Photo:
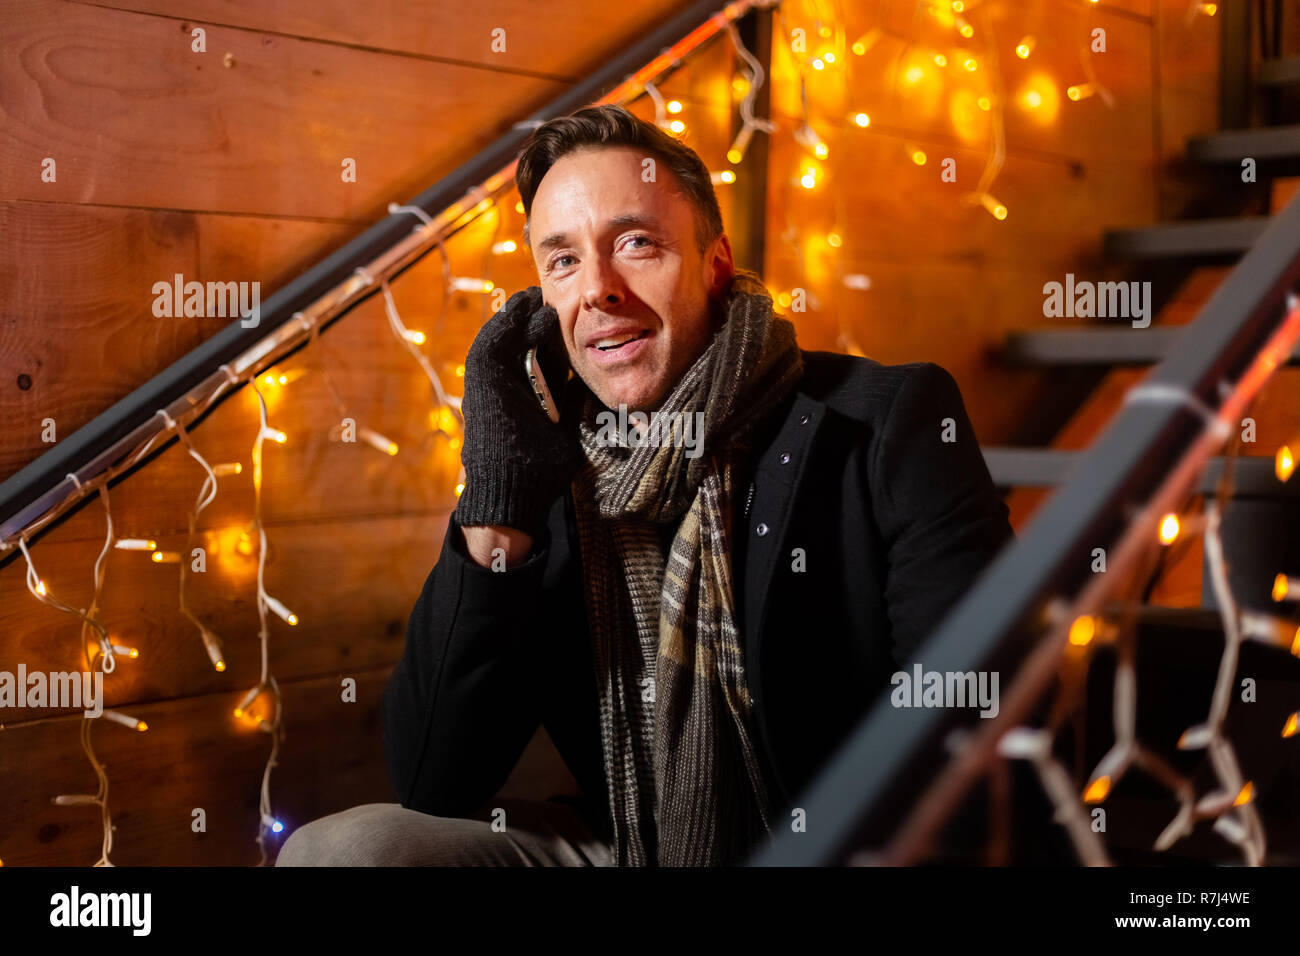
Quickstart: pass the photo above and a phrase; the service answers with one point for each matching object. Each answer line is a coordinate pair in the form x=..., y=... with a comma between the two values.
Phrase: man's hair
x=607, y=126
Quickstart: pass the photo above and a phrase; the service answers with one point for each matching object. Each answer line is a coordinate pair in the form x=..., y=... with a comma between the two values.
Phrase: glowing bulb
x=500, y=248
x=734, y=156
x=674, y=106
x=166, y=557
x=284, y=613
x=1025, y=47
x=677, y=126
x=808, y=180
x=940, y=60
x=984, y=103
x=239, y=712
x=1097, y=790
x=277, y=827
x=995, y=208
x=1284, y=463
x=245, y=545
x=460, y=487
x=1081, y=91
x=1083, y=630
x=862, y=119
x=40, y=588
x=220, y=665
x=966, y=30
x=1033, y=99
x=1169, y=528
x=821, y=150
x=1246, y=795
x=269, y=380
x=1279, y=587
x=817, y=64
x=1209, y=9
x=1292, y=725
x=740, y=84
x=228, y=468
x=519, y=206
x=914, y=74
x=460, y=371
x=970, y=64
x=141, y=726
x=918, y=157
x=828, y=57
x=833, y=240
x=958, y=6
x=1295, y=643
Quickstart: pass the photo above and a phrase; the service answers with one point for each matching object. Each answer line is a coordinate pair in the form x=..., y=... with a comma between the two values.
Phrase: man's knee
x=357, y=836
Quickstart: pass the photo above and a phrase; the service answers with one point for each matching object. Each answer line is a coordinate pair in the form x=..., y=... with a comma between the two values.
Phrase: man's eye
x=555, y=263
x=646, y=239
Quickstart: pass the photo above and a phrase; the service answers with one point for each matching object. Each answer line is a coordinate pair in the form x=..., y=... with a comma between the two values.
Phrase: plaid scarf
x=685, y=785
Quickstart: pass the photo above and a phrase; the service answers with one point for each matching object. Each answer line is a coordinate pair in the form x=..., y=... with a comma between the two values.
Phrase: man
x=697, y=624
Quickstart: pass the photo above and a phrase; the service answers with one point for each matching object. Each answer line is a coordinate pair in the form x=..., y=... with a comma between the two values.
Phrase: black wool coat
x=866, y=512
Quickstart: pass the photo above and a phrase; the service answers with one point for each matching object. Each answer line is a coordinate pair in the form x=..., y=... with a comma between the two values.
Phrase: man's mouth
x=615, y=342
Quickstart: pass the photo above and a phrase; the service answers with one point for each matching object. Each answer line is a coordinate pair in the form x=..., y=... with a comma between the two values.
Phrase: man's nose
x=602, y=285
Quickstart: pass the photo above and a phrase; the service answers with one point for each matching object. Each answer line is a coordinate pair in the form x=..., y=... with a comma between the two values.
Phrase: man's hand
x=517, y=461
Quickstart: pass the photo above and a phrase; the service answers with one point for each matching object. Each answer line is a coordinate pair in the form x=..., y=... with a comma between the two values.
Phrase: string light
x=1025, y=47
x=136, y=544
x=755, y=76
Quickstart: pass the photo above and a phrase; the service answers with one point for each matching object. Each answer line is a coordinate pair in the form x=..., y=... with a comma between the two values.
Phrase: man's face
x=617, y=258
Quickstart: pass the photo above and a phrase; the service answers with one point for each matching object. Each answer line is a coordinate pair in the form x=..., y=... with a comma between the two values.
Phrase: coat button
x=761, y=529
x=785, y=458
x=803, y=419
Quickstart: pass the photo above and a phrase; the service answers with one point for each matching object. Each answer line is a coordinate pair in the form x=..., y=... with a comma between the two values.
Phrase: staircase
x=1180, y=639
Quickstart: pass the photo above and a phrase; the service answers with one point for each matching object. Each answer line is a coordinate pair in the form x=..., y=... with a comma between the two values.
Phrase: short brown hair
x=610, y=125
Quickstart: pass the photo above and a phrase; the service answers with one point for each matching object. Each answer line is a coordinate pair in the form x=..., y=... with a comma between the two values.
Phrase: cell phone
x=533, y=369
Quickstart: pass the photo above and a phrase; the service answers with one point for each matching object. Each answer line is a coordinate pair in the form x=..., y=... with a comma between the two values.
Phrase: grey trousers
x=530, y=833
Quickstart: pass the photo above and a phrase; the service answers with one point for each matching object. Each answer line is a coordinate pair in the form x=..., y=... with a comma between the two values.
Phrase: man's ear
x=721, y=267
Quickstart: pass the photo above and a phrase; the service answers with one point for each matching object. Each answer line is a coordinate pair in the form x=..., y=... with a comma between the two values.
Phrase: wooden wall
x=225, y=165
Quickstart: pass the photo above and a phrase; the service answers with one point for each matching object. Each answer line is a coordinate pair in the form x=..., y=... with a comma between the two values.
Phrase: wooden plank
x=195, y=754
x=268, y=134
x=1284, y=190
x=79, y=330
x=1185, y=103
x=565, y=43
x=351, y=583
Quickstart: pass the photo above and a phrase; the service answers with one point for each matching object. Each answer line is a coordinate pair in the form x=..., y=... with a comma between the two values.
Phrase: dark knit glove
x=517, y=461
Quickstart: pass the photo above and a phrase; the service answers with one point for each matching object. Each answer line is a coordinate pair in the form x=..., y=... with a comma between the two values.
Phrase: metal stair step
x=1013, y=467
x=1206, y=237
x=1268, y=144
x=1280, y=72
x=1091, y=346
